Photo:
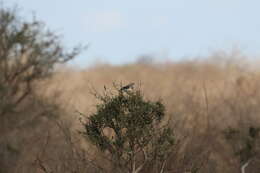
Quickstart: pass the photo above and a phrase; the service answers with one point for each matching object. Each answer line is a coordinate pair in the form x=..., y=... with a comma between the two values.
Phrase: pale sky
x=118, y=31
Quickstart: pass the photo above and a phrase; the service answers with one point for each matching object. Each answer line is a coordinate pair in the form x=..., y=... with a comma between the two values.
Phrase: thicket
x=28, y=53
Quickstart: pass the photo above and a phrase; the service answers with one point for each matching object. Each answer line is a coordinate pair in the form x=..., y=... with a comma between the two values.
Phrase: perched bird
x=129, y=86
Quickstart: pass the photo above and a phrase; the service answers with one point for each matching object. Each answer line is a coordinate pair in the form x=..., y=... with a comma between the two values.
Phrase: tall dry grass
x=202, y=98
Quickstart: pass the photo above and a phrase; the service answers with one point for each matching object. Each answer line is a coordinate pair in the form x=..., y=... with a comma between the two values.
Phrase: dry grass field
x=202, y=99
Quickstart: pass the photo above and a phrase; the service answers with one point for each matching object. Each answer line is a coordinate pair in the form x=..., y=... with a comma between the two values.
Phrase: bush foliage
x=28, y=53
x=136, y=133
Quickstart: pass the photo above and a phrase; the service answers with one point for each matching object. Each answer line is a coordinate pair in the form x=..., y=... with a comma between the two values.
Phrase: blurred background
x=200, y=58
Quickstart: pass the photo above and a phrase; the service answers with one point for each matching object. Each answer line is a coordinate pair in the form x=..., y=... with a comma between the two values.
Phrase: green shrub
x=137, y=134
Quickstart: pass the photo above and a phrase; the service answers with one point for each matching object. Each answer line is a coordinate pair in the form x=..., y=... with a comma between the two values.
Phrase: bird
x=129, y=86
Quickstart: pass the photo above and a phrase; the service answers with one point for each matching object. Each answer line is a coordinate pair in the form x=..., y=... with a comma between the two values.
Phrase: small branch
x=243, y=167
x=163, y=166
x=133, y=164
x=42, y=167
x=207, y=104
x=142, y=165
x=38, y=161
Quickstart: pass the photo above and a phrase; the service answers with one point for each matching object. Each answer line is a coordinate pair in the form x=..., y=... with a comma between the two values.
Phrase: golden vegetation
x=202, y=98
